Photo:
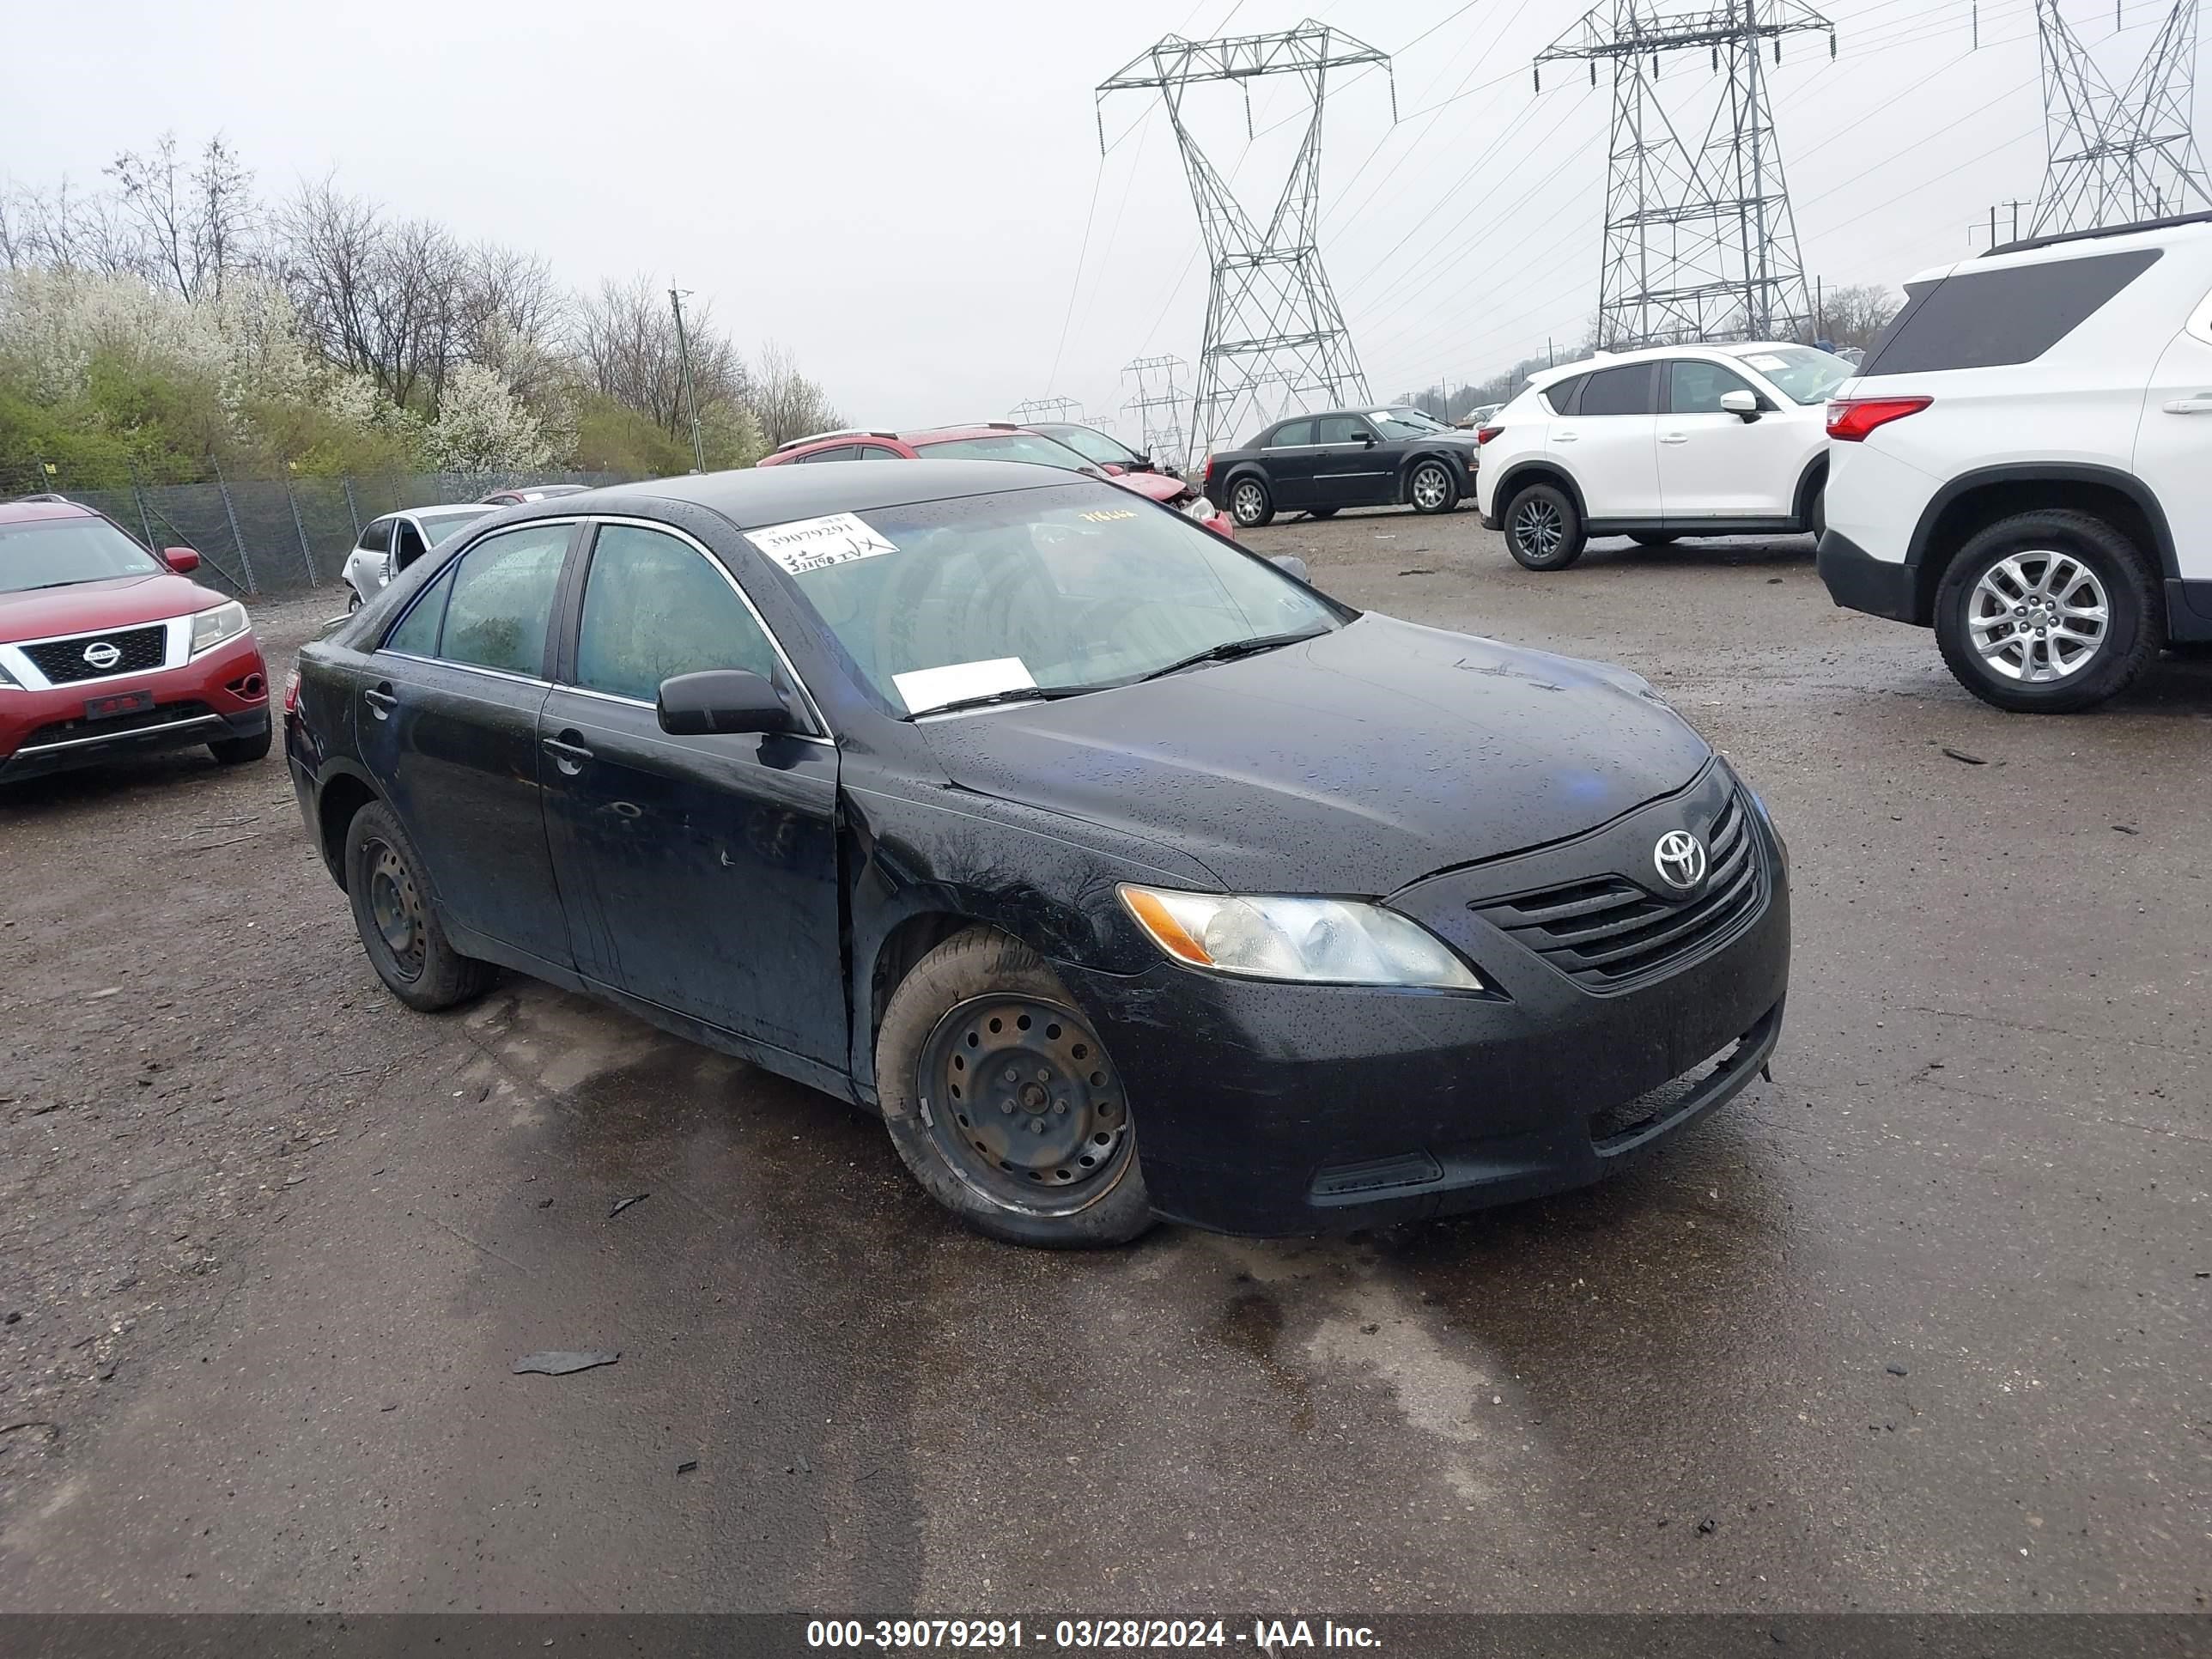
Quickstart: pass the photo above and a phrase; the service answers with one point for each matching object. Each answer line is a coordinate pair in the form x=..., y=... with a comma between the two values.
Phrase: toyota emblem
x=100, y=654
x=1679, y=857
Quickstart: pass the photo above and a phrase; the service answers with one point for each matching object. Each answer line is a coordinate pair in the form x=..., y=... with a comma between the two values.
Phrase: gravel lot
x=1921, y=1324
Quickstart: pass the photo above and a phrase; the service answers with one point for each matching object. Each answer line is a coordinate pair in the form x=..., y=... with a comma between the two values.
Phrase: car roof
x=441, y=506
x=754, y=496
x=30, y=512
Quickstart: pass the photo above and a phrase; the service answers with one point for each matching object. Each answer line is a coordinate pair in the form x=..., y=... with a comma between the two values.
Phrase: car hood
x=1160, y=487
x=89, y=607
x=1352, y=764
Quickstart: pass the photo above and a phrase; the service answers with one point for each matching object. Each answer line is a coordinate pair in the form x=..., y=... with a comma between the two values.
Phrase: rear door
x=1611, y=442
x=447, y=725
x=1716, y=464
x=1292, y=458
x=699, y=873
x=2173, y=445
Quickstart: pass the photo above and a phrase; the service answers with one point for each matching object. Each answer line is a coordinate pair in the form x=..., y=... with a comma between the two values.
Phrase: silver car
x=391, y=543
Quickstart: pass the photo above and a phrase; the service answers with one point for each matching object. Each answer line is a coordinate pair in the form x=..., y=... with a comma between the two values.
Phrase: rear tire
x=1816, y=511
x=995, y=1087
x=1543, y=531
x=2049, y=613
x=241, y=751
x=389, y=893
x=1320, y=513
x=1431, y=488
x=1251, y=504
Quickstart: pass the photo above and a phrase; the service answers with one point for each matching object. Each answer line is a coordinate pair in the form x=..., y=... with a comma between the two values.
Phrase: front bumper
x=1268, y=1109
x=1858, y=580
x=222, y=695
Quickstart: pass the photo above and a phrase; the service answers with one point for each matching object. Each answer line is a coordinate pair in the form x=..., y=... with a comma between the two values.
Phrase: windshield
x=1405, y=422
x=438, y=527
x=1005, y=447
x=1801, y=374
x=1072, y=588
x=56, y=552
x=1094, y=444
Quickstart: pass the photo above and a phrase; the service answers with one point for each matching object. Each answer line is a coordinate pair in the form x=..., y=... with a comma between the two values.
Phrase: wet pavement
x=1922, y=1323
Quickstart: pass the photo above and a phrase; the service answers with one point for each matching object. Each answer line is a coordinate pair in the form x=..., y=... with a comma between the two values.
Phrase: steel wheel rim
x=1250, y=500
x=1429, y=487
x=1536, y=528
x=1023, y=1104
x=396, y=908
x=2038, y=617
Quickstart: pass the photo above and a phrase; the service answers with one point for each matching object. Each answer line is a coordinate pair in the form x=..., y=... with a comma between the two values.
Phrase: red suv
x=106, y=649
x=996, y=441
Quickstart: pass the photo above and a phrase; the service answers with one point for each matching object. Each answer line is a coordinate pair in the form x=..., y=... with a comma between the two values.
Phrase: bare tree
x=625, y=343
x=381, y=298
x=1853, y=315
x=195, y=224
x=787, y=404
x=65, y=230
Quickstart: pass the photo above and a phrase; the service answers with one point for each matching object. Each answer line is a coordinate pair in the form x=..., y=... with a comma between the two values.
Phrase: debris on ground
x=1707, y=1527
x=1895, y=1371
x=622, y=1204
x=1418, y=570
x=2127, y=828
x=557, y=1362
x=687, y=1466
x=1961, y=755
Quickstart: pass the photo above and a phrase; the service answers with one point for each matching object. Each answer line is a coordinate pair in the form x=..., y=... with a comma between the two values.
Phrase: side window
x=1697, y=387
x=1988, y=319
x=841, y=452
x=406, y=543
x=1289, y=433
x=654, y=607
x=377, y=538
x=502, y=599
x=1339, y=429
x=1560, y=396
x=878, y=453
x=1626, y=391
x=417, y=633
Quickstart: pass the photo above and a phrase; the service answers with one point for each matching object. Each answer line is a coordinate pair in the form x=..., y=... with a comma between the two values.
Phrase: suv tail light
x=1483, y=435
x=1849, y=419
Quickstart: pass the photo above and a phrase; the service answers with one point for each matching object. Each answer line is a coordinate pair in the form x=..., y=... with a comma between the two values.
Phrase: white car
x=389, y=544
x=2024, y=463
x=1659, y=444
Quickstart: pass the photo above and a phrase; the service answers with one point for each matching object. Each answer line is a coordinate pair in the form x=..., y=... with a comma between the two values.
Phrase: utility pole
x=2118, y=155
x=1155, y=406
x=1275, y=337
x=691, y=392
x=2012, y=205
x=1699, y=240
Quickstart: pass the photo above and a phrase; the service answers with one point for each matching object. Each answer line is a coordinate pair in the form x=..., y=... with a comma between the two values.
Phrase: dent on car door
x=447, y=725
x=699, y=874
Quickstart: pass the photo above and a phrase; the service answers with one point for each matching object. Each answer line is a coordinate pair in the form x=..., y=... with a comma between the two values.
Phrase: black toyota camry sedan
x=1121, y=871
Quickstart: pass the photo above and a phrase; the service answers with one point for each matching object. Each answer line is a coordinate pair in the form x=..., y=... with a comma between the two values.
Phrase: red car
x=106, y=649
x=995, y=441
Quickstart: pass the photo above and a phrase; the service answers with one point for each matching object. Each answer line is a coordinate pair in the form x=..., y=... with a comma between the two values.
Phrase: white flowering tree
x=481, y=428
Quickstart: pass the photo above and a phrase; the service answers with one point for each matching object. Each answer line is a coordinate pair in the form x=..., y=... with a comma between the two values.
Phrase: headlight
x=1200, y=508
x=8, y=680
x=1321, y=941
x=212, y=626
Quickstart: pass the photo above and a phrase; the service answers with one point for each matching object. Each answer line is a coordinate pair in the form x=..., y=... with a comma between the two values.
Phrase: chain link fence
x=277, y=536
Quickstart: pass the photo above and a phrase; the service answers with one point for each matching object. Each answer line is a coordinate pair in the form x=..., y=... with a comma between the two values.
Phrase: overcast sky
x=901, y=191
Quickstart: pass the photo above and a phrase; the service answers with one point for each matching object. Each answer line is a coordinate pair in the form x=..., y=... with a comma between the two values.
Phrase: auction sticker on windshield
x=925, y=689
x=805, y=544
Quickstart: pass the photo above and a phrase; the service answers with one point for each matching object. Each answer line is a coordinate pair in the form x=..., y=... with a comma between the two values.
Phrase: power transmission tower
x=1275, y=338
x=2119, y=155
x=1045, y=409
x=1156, y=405
x=1699, y=240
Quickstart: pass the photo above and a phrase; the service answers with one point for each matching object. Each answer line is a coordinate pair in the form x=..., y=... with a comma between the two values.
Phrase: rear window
x=1626, y=391
x=1989, y=318
x=1559, y=397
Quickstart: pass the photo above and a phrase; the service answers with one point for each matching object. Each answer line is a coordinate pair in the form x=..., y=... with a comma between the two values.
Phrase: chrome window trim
x=464, y=667
x=822, y=732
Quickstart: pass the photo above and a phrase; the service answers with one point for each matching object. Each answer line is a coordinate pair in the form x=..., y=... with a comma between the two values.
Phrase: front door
x=1611, y=442
x=699, y=874
x=1355, y=468
x=448, y=727
x=1713, y=463
x=2173, y=444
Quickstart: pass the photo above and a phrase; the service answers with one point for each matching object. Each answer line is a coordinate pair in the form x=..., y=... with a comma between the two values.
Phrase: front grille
x=1616, y=1126
x=62, y=661
x=168, y=713
x=1609, y=931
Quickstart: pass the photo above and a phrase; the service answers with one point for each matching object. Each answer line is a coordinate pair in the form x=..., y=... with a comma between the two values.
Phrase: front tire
x=1654, y=537
x=389, y=893
x=1250, y=504
x=1320, y=513
x=2048, y=613
x=241, y=751
x=1432, y=488
x=1543, y=531
x=1002, y=1101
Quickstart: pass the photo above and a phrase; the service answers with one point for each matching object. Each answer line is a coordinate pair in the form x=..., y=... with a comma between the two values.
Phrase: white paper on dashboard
x=805, y=544
x=925, y=689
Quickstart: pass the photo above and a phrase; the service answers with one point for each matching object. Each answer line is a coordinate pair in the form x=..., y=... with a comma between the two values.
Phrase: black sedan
x=1123, y=873
x=1318, y=464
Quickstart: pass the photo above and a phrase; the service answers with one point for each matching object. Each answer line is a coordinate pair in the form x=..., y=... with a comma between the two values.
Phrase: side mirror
x=721, y=702
x=1368, y=440
x=182, y=560
x=1742, y=403
x=1290, y=564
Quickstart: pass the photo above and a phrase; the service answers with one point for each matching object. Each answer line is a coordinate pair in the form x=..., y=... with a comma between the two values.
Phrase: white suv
x=389, y=544
x=2024, y=463
x=1672, y=441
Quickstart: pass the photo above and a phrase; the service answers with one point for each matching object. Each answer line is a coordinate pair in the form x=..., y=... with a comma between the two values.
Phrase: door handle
x=2200, y=405
x=1674, y=437
x=381, y=699
x=569, y=752
x=1562, y=437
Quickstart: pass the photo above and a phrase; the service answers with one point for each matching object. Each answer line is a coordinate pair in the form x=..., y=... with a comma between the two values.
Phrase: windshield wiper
x=1229, y=649
x=1011, y=694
